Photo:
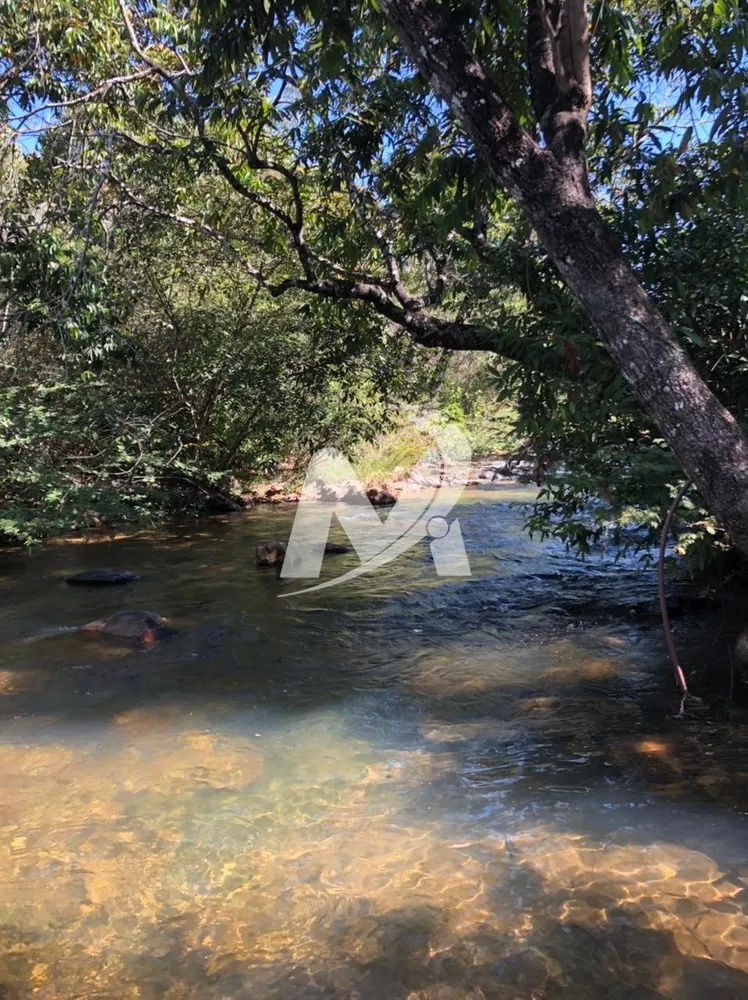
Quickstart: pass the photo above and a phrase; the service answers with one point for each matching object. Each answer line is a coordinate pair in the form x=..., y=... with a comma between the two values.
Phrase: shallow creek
x=405, y=788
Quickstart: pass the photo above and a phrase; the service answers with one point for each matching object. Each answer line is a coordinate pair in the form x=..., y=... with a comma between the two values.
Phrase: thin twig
x=680, y=679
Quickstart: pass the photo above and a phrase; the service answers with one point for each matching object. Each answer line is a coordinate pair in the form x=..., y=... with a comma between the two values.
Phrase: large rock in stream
x=221, y=504
x=145, y=627
x=381, y=498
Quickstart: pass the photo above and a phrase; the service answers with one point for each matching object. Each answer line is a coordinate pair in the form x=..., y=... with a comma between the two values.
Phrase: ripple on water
x=293, y=881
x=352, y=805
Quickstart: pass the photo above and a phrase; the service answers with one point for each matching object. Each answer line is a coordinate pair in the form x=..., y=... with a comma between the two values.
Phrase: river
x=404, y=788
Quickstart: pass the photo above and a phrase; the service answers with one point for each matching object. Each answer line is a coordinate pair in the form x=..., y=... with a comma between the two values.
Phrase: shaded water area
x=402, y=789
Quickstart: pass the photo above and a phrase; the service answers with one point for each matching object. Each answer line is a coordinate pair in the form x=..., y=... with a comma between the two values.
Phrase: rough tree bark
x=551, y=184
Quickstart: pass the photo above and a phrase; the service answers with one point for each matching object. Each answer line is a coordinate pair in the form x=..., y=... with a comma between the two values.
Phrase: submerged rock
x=106, y=577
x=270, y=553
x=144, y=626
x=273, y=553
x=334, y=549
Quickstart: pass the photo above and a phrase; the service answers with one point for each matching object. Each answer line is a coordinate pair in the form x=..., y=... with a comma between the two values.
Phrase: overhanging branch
x=433, y=331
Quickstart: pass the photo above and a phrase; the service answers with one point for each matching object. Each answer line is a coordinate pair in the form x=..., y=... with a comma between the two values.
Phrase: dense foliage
x=143, y=370
x=216, y=214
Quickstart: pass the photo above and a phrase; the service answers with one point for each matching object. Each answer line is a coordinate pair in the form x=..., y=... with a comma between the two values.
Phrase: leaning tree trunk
x=550, y=183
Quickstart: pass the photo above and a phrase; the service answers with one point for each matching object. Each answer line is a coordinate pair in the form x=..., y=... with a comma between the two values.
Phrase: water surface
x=404, y=789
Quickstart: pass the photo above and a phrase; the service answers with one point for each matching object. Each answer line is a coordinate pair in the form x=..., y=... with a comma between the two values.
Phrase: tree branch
x=293, y=226
x=461, y=82
x=138, y=48
x=395, y=282
x=101, y=91
x=183, y=220
x=540, y=58
x=560, y=80
x=434, y=331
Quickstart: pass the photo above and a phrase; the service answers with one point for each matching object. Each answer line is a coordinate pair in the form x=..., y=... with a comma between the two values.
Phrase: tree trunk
x=553, y=191
x=705, y=437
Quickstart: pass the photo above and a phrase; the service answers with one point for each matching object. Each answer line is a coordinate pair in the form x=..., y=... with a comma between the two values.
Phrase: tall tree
x=550, y=180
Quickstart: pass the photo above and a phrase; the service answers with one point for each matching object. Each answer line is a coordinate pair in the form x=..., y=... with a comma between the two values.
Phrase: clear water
x=405, y=789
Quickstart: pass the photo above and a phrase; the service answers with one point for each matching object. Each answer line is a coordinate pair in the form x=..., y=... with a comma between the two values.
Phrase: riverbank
x=488, y=473
x=98, y=525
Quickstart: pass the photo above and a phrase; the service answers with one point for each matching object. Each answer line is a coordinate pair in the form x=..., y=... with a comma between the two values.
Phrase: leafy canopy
x=295, y=140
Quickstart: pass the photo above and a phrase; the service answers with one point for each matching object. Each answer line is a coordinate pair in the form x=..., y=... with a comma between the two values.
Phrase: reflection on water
x=410, y=789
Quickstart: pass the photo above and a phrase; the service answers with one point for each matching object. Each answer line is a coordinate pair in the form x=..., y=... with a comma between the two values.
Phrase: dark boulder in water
x=220, y=504
x=381, y=498
x=102, y=577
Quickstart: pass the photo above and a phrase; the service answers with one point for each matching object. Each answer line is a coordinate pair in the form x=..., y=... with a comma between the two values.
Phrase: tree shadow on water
x=411, y=953
x=350, y=951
